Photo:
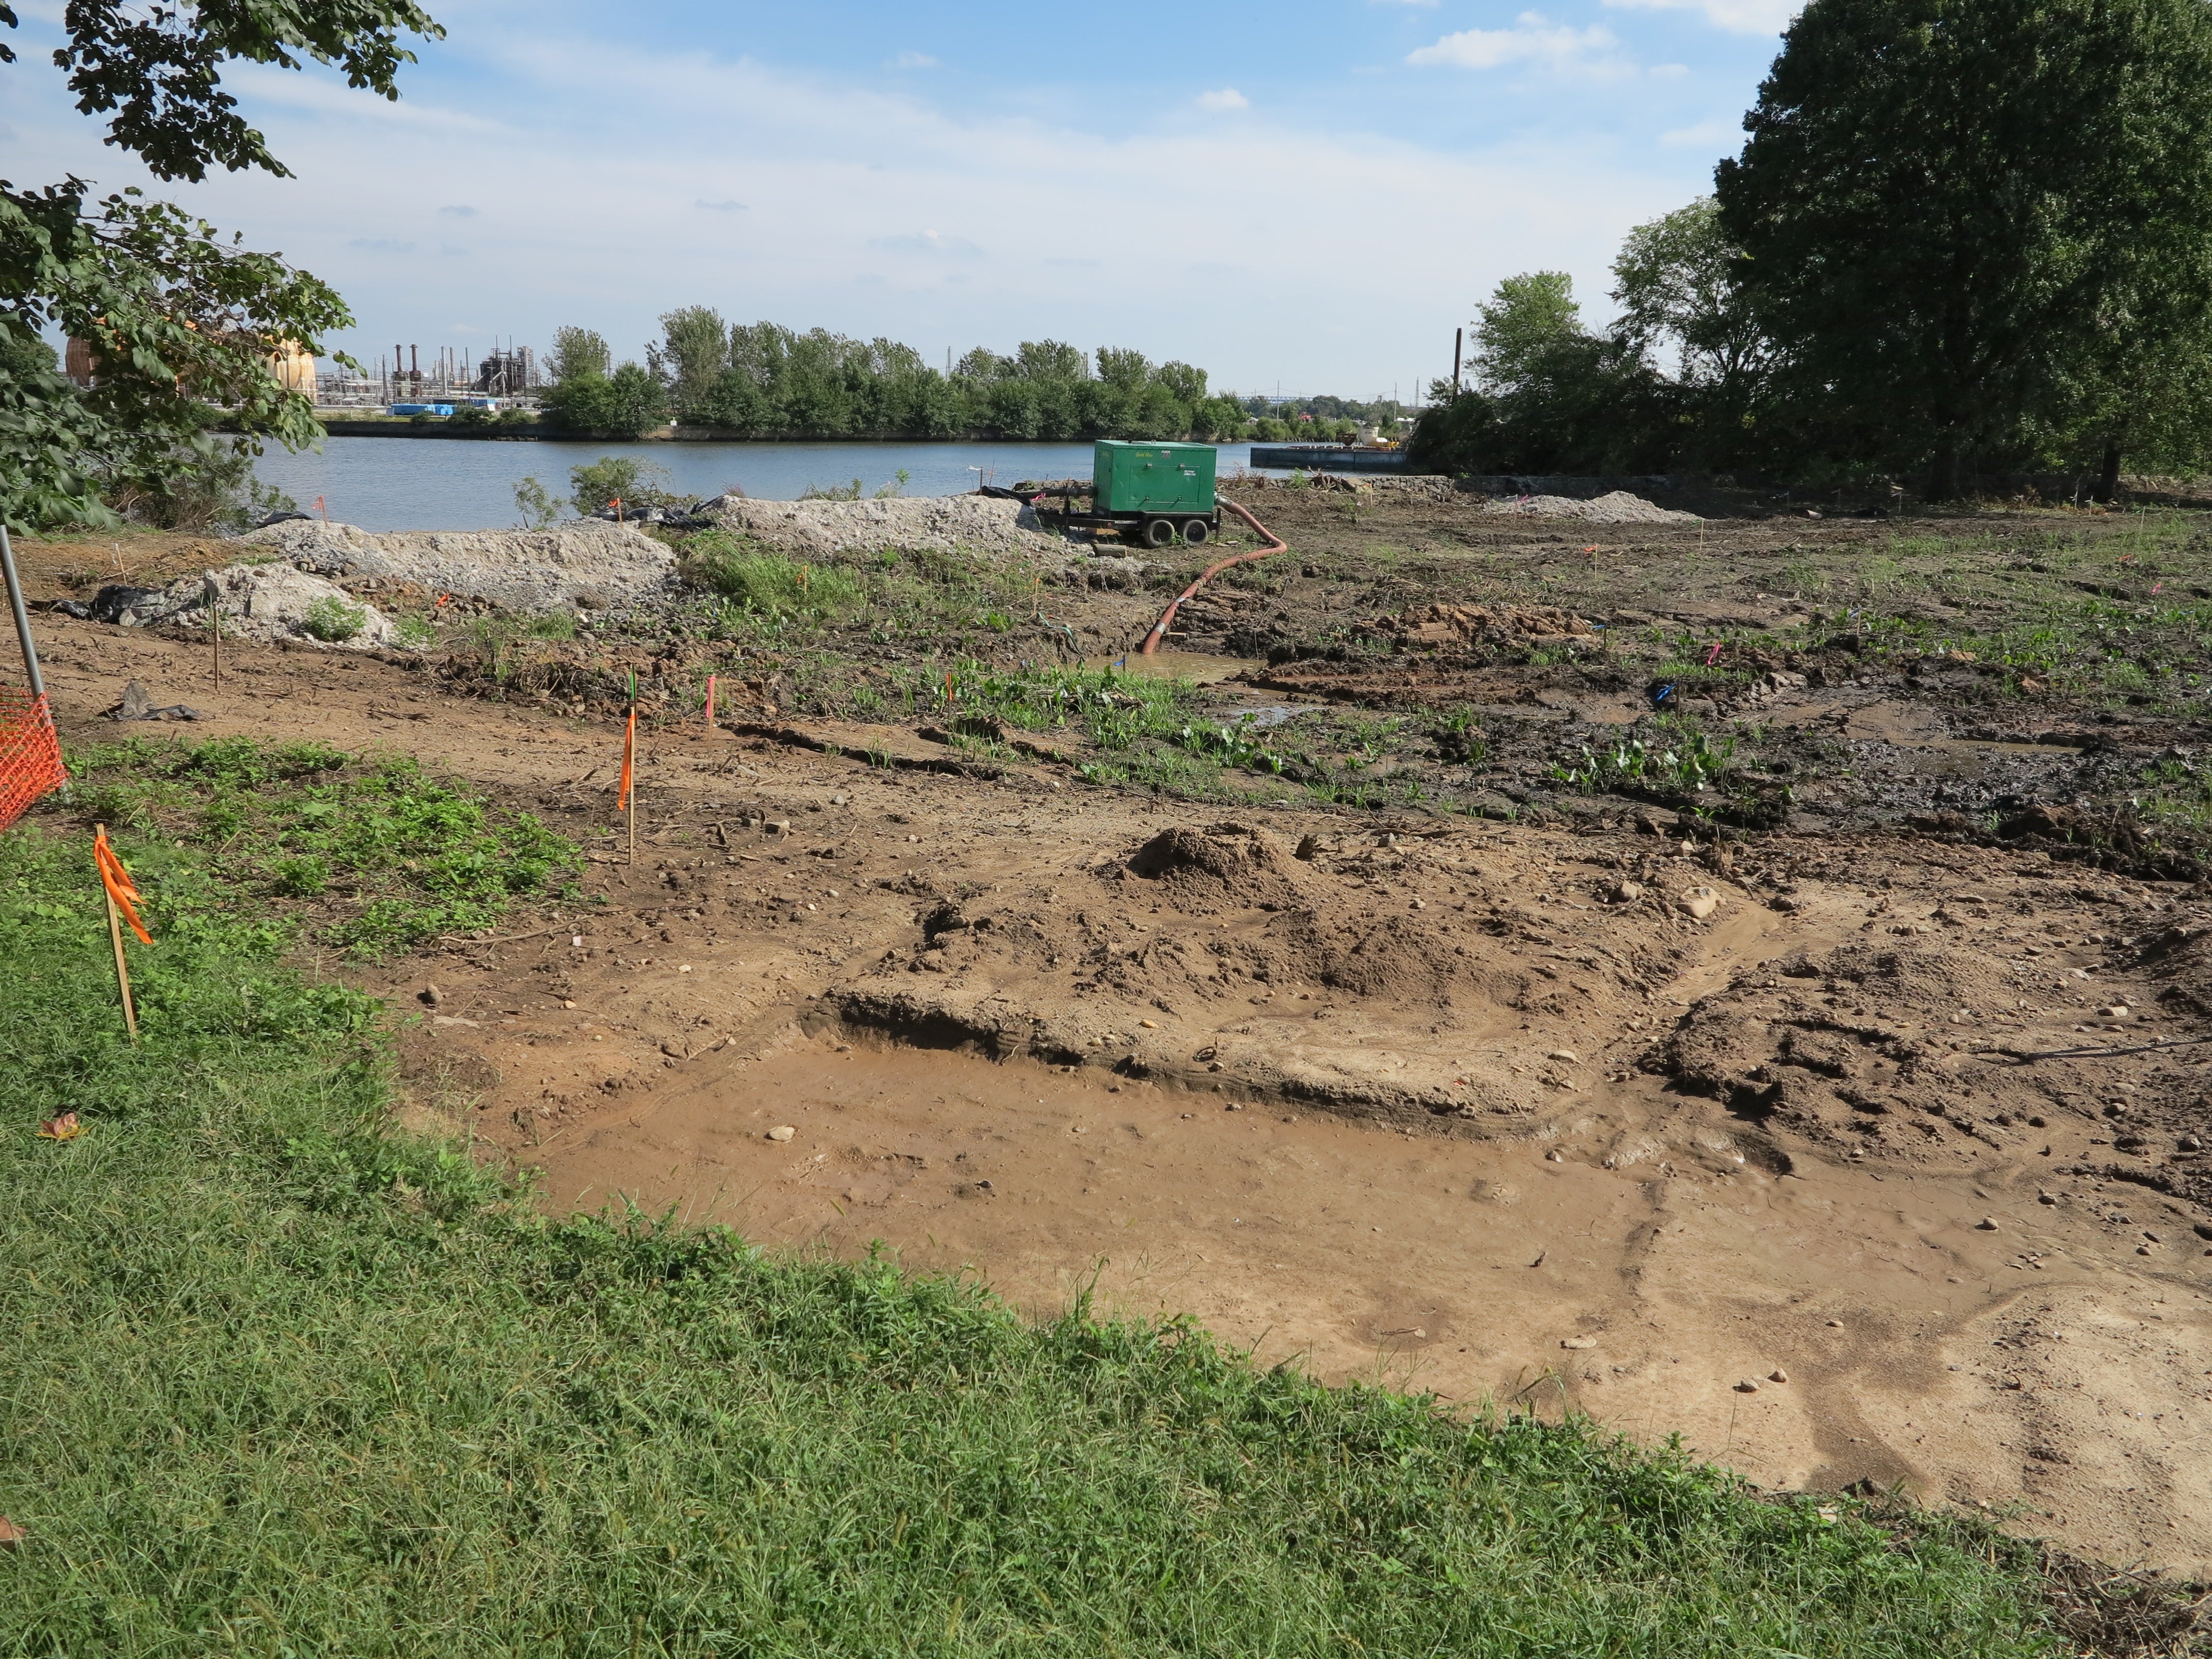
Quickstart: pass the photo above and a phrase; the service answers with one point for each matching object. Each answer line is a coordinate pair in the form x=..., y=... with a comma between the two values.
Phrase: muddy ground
x=1844, y=1115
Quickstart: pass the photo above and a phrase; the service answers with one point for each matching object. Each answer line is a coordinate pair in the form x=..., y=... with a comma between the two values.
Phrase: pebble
x=1778, y=1375
x=781, y=1132
x=1554, y=1156
x=567, y=1005
x=777, y=826
x=837, y=801
x=1836, y=1324
x=1699, y=903
x=430, y=995
x=576, y=941
x=1988, y=1224
x=1747, y=1386
x=1567, y=1054
x=1627, y=892
x=1150, y=1024
x=2117, y=1011
x=1579, y=1342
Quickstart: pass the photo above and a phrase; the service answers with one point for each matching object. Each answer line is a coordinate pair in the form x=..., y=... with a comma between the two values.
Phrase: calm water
x=430, y=483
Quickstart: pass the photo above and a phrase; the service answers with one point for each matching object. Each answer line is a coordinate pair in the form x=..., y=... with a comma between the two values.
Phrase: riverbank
x=382, y=486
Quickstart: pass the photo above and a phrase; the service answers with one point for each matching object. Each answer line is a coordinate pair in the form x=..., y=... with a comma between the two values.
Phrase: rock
x=1627, y=892
x=1308, y=846
x=1747, y=1386
x=1699, y=903
x=2117, y=1011
x=430, y=995
x=1778, y=1375
x=1836, y=1324
x=1555, y=1156
x=781, y=1132
x=1150, y=1024
x=1567, y=1054
x=1988, y=1224
x=2046, y=1198
x=837, y=801
x=1579, y=1342
x=777, y=826
x=138, y=704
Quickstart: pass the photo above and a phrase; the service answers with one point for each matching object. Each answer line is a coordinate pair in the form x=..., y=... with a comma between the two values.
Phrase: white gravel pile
x=1617, y=507
x=587, y=564
x=982, y=524
x=268, y=603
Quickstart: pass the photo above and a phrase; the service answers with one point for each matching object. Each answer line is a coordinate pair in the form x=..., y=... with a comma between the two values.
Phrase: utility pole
x=1459, y=338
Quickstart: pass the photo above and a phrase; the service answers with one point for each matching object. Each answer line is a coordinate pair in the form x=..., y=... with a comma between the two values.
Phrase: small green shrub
x=331, y=619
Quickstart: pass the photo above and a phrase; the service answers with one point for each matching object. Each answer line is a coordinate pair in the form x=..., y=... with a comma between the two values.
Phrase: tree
x=696, y=346
x=578, y=352
x=1971, y=223
x=1681, y=289
x=1557, y=397
x=176, y=316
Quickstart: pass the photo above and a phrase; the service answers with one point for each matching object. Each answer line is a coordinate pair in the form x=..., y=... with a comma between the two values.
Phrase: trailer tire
x=1195, y=532
x=1159, y=532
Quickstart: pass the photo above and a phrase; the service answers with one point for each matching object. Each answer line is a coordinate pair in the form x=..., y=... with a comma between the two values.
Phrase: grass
x=393, y=855
x=284, y=1381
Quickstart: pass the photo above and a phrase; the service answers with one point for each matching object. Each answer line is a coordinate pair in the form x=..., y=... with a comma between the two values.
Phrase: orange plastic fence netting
x=30, y=753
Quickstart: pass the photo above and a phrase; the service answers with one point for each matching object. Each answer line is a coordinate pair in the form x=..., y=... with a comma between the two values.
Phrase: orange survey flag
x=629, y=749
x=117, y=880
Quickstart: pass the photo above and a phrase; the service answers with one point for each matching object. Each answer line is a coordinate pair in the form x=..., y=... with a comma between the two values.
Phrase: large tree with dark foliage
x=178, y=316
x=1981, y=230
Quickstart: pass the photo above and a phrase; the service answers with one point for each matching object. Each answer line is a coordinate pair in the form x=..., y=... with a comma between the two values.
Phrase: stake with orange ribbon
x=122, y=902
x=626, y=796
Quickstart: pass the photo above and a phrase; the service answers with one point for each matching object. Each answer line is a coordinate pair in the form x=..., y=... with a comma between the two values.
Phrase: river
x=432, y=483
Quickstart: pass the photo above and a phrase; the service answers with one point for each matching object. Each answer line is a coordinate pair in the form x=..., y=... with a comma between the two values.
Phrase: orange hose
x=1274, y=545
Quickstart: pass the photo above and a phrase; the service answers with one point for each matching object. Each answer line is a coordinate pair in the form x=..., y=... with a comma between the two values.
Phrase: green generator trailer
x=1157, y=491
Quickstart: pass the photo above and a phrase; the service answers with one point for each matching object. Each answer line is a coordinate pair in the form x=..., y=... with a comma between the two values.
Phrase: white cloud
x=1227, y=99
x=842, y=172
x=1736, y=16
x=1531, y=39
x=929, y=241
x=914, y=60
x=720, y=207
x=1704, y=135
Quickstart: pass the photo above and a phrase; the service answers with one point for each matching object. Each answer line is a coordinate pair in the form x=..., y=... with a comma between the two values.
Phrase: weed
x=333, y=621
x=398, y=856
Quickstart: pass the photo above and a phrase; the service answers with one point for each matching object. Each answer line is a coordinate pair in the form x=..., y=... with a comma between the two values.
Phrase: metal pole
x=23, y=620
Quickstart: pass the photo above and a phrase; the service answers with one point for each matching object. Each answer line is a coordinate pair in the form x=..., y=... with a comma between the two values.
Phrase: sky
x=1303, y=194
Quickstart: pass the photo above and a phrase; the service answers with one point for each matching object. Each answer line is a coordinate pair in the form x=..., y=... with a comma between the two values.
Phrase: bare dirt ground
x=1568, y=1111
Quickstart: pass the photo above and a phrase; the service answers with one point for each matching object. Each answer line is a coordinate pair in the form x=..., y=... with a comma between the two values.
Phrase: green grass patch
x=391, y=854
x=283, y=1382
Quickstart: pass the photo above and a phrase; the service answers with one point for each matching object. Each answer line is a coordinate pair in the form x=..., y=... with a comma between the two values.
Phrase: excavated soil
x=1859, y=1156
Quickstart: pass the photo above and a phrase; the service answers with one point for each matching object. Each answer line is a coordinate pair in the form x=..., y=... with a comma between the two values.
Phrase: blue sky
x=1308, y=192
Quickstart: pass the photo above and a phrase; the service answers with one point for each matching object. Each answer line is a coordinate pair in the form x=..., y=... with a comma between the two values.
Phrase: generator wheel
x=1159, y=532
x=1195, y=532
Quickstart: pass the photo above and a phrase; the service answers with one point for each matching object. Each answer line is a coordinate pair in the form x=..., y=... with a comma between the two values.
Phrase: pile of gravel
x=1617, y=507
x=585, y=564
x=263, y=602
x=980, y=524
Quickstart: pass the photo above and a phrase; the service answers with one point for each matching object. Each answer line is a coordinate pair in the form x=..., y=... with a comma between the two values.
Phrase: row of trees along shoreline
x=765, y=380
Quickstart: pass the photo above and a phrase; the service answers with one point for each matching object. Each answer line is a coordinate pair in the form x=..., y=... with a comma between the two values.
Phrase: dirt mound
x=267, y=602
x=1617, y=507
x=1206, y=869
x=587, y=565
x=942, y=523
x=1463, y=626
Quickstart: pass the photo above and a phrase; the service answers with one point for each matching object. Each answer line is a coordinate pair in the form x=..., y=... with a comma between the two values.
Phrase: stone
x=1555, y=1156
x=1778, y=1375
x=1567, y=1054
x=1747, y=1386
x=1579, y=1342
x=1699, y=903
x=1988, y=1224
x=781, y=1132
x=1627, y=892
